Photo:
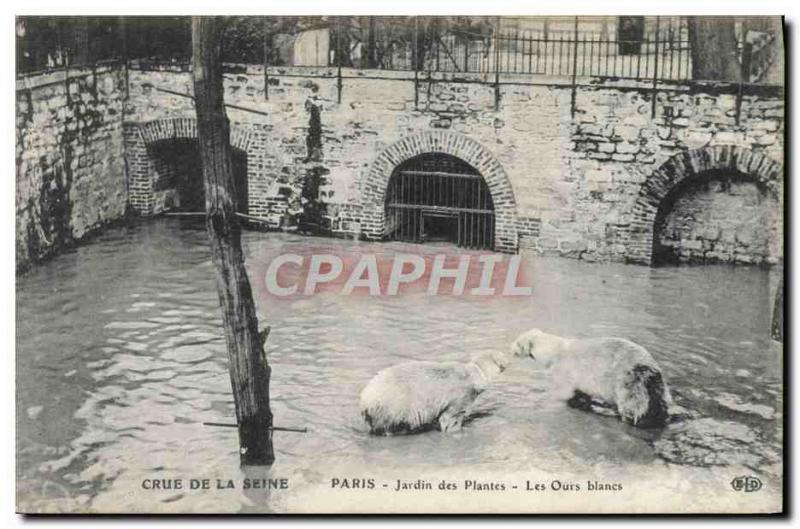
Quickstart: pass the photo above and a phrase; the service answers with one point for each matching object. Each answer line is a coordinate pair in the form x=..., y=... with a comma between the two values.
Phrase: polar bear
x=602, y=375
x=417, y=396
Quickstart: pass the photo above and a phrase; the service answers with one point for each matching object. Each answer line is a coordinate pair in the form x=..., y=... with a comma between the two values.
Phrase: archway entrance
x=649, y=231
x=177, y=166
x=719, y=216
x=436, y=197
x=162, y=157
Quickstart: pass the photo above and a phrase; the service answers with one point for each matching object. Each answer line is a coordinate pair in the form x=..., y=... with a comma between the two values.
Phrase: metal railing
x=662, y=51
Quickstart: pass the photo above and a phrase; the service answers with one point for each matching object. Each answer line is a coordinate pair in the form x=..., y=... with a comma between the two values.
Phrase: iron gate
x=437, y=197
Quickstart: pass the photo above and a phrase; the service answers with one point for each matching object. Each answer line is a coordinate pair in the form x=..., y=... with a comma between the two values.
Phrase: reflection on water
x=120, y=358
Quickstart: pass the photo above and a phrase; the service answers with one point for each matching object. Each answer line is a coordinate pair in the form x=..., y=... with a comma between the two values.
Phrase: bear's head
x=536, y=344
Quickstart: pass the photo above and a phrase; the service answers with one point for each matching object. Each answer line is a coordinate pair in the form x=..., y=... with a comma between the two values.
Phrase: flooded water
x=120, y=359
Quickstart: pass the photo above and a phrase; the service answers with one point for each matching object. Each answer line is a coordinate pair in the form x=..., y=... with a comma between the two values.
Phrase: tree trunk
x=369, y=51
x=715, y=55
x=249, y=370
x=80, y=41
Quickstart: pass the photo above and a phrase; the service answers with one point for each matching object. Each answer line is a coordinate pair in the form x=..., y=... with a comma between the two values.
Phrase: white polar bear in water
x=606, y=373
x=417, y=396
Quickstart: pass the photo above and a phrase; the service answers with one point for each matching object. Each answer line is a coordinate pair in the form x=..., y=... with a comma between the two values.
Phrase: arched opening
x=694, y=167
x=177, y=167
x=717, y=216
x=437, y=197
x=379, y=222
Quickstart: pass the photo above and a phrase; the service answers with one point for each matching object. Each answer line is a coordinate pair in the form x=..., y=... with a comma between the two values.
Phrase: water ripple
x=121, y=358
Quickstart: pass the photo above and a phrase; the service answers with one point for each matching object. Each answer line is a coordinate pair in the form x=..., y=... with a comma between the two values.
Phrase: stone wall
x=70, y=159
x=587, y=186
x=619, y=149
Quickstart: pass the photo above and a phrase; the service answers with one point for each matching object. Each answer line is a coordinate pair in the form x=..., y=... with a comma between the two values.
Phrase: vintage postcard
x=407, y=264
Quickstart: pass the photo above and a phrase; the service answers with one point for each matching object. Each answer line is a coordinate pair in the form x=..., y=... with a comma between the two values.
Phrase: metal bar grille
x=439, y=198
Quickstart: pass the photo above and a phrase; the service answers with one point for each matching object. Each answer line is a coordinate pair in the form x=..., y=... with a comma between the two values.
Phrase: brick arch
x=686, y=166
x=454, y=144
x=186, y=128
x=139, y=139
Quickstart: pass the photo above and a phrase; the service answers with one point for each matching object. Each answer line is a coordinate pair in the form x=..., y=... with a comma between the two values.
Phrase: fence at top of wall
x=624, y=47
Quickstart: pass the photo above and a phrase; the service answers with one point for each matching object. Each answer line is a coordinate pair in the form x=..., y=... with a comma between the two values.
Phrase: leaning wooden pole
x=248, y=363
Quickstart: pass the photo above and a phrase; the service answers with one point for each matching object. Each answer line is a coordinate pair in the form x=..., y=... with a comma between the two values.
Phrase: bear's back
x=415, y=393
x=613, y=352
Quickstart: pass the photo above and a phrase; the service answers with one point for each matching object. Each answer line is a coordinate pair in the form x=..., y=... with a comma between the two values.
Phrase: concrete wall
x=578, y=187
x=70, y=159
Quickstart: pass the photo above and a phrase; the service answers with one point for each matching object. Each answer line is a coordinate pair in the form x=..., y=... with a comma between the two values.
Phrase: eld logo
x=746, y=484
